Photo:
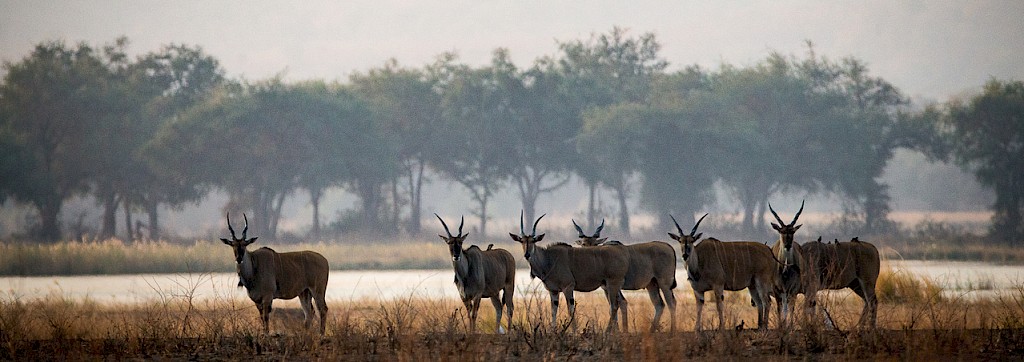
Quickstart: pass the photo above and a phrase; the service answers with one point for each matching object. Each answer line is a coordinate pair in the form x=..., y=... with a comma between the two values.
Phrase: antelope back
x=735, y=264
x=591, y=267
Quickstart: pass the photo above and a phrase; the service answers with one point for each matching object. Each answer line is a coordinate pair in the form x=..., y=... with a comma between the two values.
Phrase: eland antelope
x=481, y=274
x=797, y=276
x=268, y=275
x=854, y=264
x=719, y=266
x=652, y=266
x=564, y=269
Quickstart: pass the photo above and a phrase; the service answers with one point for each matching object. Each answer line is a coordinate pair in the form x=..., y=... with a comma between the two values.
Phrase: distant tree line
x=167, y=128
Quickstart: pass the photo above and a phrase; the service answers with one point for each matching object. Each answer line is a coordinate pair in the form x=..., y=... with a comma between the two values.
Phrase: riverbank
x=118, y=257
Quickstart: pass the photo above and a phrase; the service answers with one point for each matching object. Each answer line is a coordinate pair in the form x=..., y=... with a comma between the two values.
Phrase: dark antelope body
x=652, y=266
x=268, y=275
x=719, y=266
x=796, y=273
x=481, y=274
x=854, y=264
x=565, y=269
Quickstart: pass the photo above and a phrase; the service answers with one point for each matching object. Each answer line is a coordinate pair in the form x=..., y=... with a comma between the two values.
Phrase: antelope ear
x=226, y=241
x=540, y=237
x=250, y=241
x=697, y=237
x=798, y=227
x=515, y=237
x=776, y=227
x=464, y=236
x=442, y=237
x=602, y=240
x=673, y=236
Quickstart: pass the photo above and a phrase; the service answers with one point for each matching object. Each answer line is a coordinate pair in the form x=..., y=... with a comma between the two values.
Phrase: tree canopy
x=167, y=128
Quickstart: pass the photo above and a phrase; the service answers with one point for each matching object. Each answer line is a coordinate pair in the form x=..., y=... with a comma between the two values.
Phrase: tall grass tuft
x=899, y=286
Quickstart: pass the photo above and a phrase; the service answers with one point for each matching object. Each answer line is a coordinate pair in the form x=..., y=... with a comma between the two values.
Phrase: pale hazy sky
x=930, y=49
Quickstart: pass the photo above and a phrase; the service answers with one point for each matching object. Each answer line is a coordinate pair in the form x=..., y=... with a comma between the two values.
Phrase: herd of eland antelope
x=779, y=272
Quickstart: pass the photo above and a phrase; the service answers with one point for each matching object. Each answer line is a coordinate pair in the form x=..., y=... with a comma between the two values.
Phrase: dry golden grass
x=117, y=257
x=410, y=328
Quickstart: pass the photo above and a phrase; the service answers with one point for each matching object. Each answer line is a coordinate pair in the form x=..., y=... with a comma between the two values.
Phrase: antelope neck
x=247, y=269
x=540, y=266
x=461, y=266
x=692, y=265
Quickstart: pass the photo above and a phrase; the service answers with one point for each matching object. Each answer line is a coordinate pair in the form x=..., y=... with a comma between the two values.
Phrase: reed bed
x=115, y=256
x=178, y=326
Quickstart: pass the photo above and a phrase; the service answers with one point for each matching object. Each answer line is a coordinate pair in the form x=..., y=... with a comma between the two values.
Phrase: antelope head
x=454, y=242
x=238, y=244
x=529, y=242
x=589, y=240
x=786, y=231
x=686, y=242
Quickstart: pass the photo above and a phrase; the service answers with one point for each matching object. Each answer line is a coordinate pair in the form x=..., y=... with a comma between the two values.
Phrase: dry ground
x=417, y=329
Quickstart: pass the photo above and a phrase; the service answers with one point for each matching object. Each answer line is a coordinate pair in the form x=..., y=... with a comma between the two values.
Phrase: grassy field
x=915, y=321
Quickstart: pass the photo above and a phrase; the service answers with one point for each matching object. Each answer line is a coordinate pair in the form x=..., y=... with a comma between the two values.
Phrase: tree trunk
x=314, y=198
x=49, y=209
x=592, y=186
x=369, y=195
x=415, y=198
x=393, y=228
x=276, y=204
x=128, y=221
x=109, y=226
x=483, y=217
x=154, y=225
x=620, y=191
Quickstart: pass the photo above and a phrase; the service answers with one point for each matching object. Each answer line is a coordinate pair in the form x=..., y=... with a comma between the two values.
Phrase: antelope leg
x=699, y=297
x=659, y=306
x=554, y=309
x=497, y=314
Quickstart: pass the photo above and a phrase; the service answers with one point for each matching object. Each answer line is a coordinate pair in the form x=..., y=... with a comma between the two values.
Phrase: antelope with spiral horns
x=481, y=274
x=795, y=271
x=268, y=275
x=564, y=269
x=652, y=266
x=853, y=264
x=719, y=266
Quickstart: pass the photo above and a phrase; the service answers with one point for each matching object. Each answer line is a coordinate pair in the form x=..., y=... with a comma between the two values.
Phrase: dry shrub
x=899, y=286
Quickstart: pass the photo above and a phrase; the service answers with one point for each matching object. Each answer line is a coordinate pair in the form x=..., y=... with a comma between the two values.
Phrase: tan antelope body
x=565, y=269
x=713, y=265
x=268, y=275
x=854, y=264
x=652, y=266
x=796, y=273
x=482, y=274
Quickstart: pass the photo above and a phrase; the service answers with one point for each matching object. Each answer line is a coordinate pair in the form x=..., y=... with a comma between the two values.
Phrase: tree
x=986, y=133
x=167, y=83
x=865, y=123
x=51, y=111
x=406, y=105
x=478, y=113
x=262, y=142
x=540, y=136
x=610, y=147
x=607, y=69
